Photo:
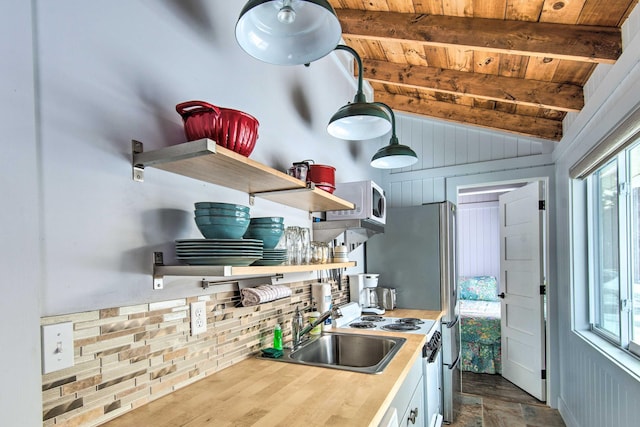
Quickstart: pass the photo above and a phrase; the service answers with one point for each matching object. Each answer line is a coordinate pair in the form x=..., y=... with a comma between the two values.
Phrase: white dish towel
x=263, y=293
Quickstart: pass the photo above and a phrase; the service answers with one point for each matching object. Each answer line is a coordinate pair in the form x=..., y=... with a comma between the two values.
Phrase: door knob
x=501, y=295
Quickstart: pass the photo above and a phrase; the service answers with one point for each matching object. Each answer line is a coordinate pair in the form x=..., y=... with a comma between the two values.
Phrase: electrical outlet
x=57, y=347
x=198, y=317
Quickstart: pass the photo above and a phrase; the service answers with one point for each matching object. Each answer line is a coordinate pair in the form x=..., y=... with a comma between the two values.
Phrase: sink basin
x=351, y=352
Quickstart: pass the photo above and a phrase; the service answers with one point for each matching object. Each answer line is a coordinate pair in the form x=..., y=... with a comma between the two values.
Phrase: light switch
x=57, y=346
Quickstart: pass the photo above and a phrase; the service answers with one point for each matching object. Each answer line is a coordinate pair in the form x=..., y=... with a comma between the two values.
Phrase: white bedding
x=486, y=309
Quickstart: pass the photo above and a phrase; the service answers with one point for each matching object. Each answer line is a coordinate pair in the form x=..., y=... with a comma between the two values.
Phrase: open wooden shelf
x=226, y=271
x=204, y=160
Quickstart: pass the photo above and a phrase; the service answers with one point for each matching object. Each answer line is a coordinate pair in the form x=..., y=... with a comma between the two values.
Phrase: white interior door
x=521, y=278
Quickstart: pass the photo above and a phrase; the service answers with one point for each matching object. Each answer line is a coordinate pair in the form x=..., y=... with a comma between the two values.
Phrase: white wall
x=80, y=80
x=20, y=397
x=478, y=239
x=112, y=71
x=595, y=390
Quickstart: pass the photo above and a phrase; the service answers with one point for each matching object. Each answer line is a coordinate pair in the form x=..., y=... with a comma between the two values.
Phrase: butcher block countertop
x=257, y=392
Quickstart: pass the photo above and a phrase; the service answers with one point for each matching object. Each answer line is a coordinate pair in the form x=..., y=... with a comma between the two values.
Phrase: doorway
x=482, y=267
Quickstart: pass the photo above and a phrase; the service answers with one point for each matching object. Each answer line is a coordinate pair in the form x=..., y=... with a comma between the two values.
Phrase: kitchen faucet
x=299, y=331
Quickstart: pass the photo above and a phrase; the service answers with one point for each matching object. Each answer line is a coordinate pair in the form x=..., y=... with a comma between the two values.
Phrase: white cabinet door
x=414, y=415
x=390, y=418
x=407, y=395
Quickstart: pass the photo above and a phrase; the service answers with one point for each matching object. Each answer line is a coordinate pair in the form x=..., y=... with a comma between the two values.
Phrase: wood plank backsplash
x=128, y=356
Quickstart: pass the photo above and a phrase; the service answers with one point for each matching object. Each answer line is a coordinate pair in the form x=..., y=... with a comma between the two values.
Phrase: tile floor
x=492, y=401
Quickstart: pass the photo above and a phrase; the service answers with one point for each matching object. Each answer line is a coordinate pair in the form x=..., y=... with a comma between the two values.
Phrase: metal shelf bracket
x=138, y=169
x=158, y=278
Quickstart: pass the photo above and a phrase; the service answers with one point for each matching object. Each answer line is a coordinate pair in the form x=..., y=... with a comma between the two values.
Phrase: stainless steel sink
x=351, y=352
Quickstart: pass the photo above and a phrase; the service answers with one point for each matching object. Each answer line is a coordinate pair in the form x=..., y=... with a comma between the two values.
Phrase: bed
x=480, y=325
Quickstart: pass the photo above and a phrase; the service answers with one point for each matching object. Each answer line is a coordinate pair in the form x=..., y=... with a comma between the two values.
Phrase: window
x=634, y=235
x=614, y=249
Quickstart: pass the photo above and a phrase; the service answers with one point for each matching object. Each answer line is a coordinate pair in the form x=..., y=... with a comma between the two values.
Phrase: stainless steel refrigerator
x=417, y=256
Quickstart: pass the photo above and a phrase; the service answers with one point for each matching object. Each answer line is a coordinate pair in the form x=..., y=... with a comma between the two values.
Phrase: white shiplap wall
x=478, y=239
x=445, y=150
x=598, y=394
x=595, y=390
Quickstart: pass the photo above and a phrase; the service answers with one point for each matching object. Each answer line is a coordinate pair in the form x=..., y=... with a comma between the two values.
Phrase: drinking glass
x=294, y=245
x=305, y=245
x=315, y=253
x=324, y=247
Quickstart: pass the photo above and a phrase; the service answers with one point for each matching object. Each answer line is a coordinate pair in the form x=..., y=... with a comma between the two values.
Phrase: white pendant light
x=288, y=32
x=359, y=120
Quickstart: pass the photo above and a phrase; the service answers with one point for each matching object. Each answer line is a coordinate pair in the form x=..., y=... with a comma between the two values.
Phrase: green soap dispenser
x=277, y=337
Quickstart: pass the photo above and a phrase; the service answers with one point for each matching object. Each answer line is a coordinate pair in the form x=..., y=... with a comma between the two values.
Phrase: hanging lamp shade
x=394, y=155
x=360, y=119
x=288, y=32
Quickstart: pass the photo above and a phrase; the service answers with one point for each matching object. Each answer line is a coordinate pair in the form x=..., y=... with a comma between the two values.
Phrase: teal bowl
x=209, y=205
x=267, y=226
x=267, y=220
x=270, y=238
x=223, y=221
x=221, y=212
x=222, y=231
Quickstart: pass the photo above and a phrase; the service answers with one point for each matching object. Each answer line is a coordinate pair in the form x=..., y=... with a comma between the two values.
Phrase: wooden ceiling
x=510, y=65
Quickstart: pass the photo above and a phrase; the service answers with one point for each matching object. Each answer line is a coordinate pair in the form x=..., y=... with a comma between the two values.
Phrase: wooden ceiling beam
x=573, y=42
x=535, y=93
x=491, y=119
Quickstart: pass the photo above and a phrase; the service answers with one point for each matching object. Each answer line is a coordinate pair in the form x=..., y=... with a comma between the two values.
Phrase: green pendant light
x=288, y=32
x=359, y=120
x=394, y=155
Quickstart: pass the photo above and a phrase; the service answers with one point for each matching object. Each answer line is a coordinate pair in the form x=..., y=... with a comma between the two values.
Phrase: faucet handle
x=298, y=319
x=336, y=313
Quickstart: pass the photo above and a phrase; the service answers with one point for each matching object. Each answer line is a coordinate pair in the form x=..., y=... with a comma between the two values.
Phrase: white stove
x=392, y=324
x=352, y=317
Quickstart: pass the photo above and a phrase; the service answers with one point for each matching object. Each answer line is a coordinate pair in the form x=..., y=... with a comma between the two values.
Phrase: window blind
x=625, y=133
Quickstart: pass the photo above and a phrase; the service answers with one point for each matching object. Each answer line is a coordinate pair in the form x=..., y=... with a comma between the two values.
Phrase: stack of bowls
x=269, y=229
x=221, y=220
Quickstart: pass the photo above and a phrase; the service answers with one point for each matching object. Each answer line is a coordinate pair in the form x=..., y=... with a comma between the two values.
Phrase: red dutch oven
x=231, y=129
x=324, y=176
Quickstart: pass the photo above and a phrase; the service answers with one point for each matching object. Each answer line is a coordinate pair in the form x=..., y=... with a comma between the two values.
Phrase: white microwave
x=368, y=197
